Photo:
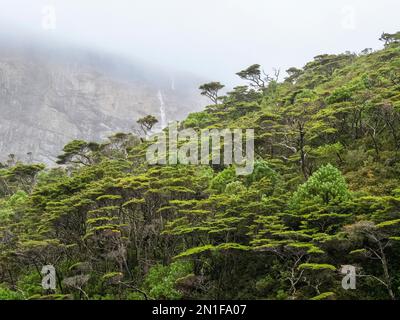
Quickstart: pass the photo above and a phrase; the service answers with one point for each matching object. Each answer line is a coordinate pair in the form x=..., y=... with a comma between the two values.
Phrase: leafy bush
x=325, y=186
x=7, y=294
x=160, y=281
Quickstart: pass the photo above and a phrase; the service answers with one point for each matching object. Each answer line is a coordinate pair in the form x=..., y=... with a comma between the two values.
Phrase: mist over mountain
x=52, y=94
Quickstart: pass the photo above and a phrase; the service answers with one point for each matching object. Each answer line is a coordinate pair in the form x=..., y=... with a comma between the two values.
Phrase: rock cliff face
x=50, y=96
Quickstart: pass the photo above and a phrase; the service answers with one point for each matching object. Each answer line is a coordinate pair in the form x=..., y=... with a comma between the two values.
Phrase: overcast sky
x=212, y=38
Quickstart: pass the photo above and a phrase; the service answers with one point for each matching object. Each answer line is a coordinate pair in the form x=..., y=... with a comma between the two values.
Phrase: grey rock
x=50, y=96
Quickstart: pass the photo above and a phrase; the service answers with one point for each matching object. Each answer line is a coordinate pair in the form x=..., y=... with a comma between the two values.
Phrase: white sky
x=212, y=38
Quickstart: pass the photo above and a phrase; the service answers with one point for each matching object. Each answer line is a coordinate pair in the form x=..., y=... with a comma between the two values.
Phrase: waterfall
x=162, y=110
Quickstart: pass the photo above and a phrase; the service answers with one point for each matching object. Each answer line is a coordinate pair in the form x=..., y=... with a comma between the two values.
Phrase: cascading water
x=162, y=110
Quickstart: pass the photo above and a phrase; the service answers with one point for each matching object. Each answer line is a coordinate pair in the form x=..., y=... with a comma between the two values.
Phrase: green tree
x=325, y=186
x=210, y=90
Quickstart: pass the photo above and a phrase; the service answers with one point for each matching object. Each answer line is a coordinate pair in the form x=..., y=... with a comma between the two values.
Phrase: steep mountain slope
x=49, y=96
x=324, y=194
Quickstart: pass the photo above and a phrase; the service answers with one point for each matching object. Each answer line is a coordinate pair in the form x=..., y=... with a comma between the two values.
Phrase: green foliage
x=7, y=294
x=316, y=266
x=78, y=152
x=161, y=280
x=323, y=296
x=324, y=193
x=30, y=284
x=339, y=95
x=221, y=180
x=147, y=123
x=210, y=90
x=325, y=186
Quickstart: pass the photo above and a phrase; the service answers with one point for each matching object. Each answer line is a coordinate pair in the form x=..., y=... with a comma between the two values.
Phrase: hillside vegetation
x=324, y=193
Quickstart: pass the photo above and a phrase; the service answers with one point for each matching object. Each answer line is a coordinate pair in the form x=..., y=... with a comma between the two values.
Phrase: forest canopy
x=324, y=193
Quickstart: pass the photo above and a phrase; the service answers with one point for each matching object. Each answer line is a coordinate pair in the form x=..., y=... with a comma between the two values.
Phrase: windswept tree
x=147, y=123
x=389, y=38
x=324, y=194
x=210, y=90
x=293, y=74
x=255, y=76
x=78, y=152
